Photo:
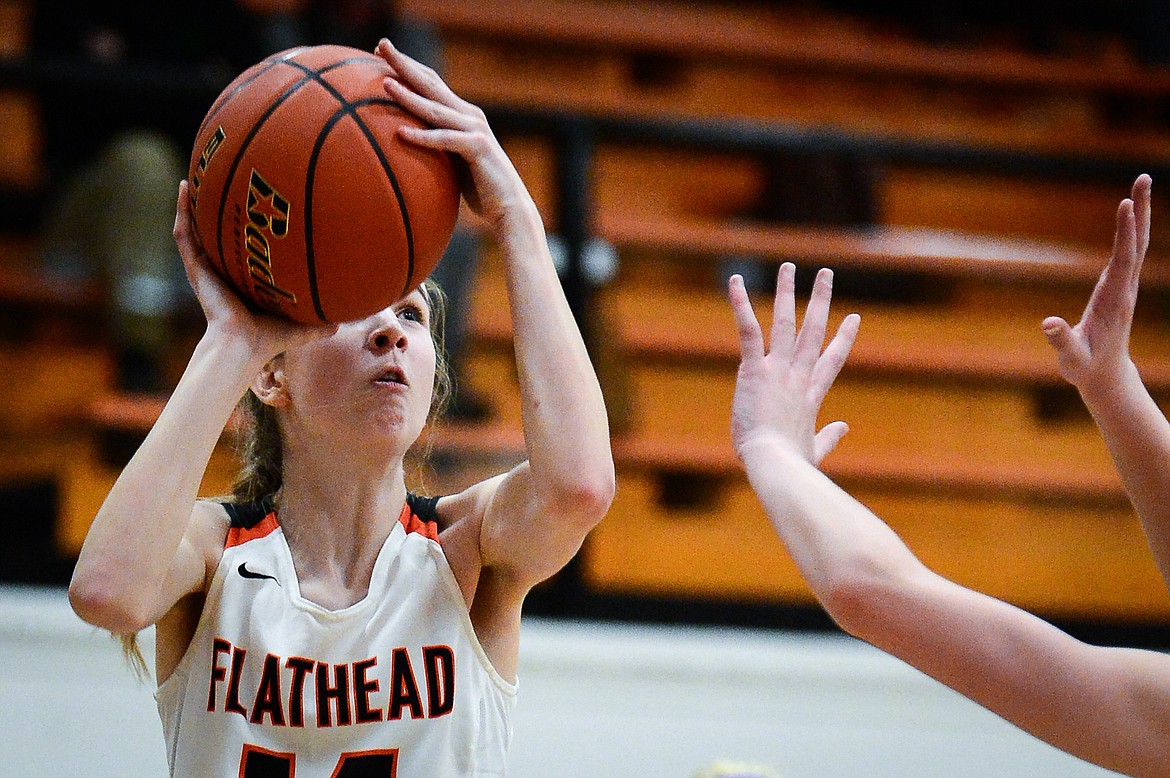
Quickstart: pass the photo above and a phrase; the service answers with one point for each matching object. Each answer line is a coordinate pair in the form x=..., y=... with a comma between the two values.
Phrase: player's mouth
x=392, y=376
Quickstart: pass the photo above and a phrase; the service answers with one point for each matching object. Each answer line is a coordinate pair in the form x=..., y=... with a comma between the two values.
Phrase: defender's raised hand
x=780, y=386
x=1095, y=352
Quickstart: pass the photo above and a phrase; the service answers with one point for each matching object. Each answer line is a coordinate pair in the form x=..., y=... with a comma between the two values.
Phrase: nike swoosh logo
x=246, y=573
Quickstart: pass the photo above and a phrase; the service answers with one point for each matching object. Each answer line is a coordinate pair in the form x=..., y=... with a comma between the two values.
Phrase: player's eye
x=412, y=312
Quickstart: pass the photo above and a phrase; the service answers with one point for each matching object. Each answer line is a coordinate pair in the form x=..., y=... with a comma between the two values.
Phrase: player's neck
x=336, y=524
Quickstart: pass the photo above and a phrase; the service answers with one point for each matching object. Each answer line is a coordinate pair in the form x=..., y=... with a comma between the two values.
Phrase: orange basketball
x=306, y=200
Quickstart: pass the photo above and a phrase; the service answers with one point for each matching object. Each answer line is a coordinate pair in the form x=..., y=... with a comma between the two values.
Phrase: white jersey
x=395, y=686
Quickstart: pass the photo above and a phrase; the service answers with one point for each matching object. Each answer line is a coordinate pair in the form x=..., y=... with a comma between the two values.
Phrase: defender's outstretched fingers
x=783, y=338
x=1059, y=334
x=816, y=321
x=1116, y=290
x=1141, y=195
x=827, y=439
x=751, y=338
x=832, y=360
x=1114, y=282
x=1125, y=243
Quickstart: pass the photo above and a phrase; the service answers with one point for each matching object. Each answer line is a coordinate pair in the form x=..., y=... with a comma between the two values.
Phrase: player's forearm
x=875, y=589
x=1008, y=661
x=137, y=530
x=1138, y=438
x=565, y=425
x=843, y=551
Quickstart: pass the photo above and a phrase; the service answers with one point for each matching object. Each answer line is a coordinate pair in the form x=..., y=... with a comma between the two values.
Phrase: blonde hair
x=260, y=445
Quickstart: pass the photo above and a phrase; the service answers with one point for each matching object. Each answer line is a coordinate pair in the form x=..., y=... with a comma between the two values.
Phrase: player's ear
x=269, y=385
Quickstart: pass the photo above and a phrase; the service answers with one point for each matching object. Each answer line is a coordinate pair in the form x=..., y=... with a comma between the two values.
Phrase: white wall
x=596, y=701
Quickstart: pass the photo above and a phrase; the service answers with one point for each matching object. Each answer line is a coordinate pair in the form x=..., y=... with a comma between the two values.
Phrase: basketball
x=305, y=199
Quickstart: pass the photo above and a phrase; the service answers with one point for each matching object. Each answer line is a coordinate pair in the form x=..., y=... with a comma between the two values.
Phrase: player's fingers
x=1060, y=336
x=1113, y=285
x=433, y=112
x=829, y=366
x=827, y=439
x=1127, y=259
x=1125, y=238
x=1123, y=245
x=420, y=77
x=751, y=338
x=816, y=320
x=1141, y=207
x=468, y=145
x=184, y=230
x=209, y=287
x=784, y=312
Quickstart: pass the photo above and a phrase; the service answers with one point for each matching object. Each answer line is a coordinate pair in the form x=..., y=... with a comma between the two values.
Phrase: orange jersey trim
x=412, y=523
x=238, y=535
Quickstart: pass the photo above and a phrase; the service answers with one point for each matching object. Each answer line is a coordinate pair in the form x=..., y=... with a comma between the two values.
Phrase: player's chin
x=398, y=424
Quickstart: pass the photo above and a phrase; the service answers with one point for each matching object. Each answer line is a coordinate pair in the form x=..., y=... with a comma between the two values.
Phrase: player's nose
x=385, y=334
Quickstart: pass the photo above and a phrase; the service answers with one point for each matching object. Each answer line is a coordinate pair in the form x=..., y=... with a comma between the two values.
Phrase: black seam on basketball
x=231, y=174
x=308, y=71
x=307, y=216
x=350, y=109
x=365, y=128
x=310, y=75
x=271, y=62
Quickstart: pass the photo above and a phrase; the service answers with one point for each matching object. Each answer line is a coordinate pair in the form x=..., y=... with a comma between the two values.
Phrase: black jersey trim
x=245, y=515
x=423, y=507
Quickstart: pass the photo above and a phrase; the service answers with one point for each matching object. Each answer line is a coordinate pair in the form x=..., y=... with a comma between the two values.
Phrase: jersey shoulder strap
x=246, y=515
x=423, y=507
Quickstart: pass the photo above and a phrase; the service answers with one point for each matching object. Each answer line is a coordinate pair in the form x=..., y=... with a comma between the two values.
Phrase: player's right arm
x=1094, y=357
x=151, y=542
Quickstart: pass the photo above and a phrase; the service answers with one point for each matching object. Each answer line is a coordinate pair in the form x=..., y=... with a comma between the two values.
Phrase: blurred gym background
x=958, y=164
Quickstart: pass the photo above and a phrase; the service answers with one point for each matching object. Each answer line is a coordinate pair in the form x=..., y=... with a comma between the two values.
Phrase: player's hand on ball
x=225, y=312
x=492, y=187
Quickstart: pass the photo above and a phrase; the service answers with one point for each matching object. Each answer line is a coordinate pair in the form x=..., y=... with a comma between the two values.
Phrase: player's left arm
x=1109, y=706
x=534, y=518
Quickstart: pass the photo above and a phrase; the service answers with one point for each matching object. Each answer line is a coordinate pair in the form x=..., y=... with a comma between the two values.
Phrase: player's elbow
x=596, y=495
x=584, y=499
x=847, y=599
x=96, y=601
x=856, y=596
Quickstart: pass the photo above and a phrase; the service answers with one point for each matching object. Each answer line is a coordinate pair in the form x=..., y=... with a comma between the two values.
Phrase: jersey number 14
x=256, y=762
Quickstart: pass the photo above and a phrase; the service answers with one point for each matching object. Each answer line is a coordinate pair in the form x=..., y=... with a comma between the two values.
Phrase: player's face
x=371, y=380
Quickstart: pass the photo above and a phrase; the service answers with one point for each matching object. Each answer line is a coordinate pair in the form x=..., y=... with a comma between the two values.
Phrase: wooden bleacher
x=970, y=356
x=651, y=196
x=959, y=418
x=963, y=436
x=802, y=67
x=792, y=62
